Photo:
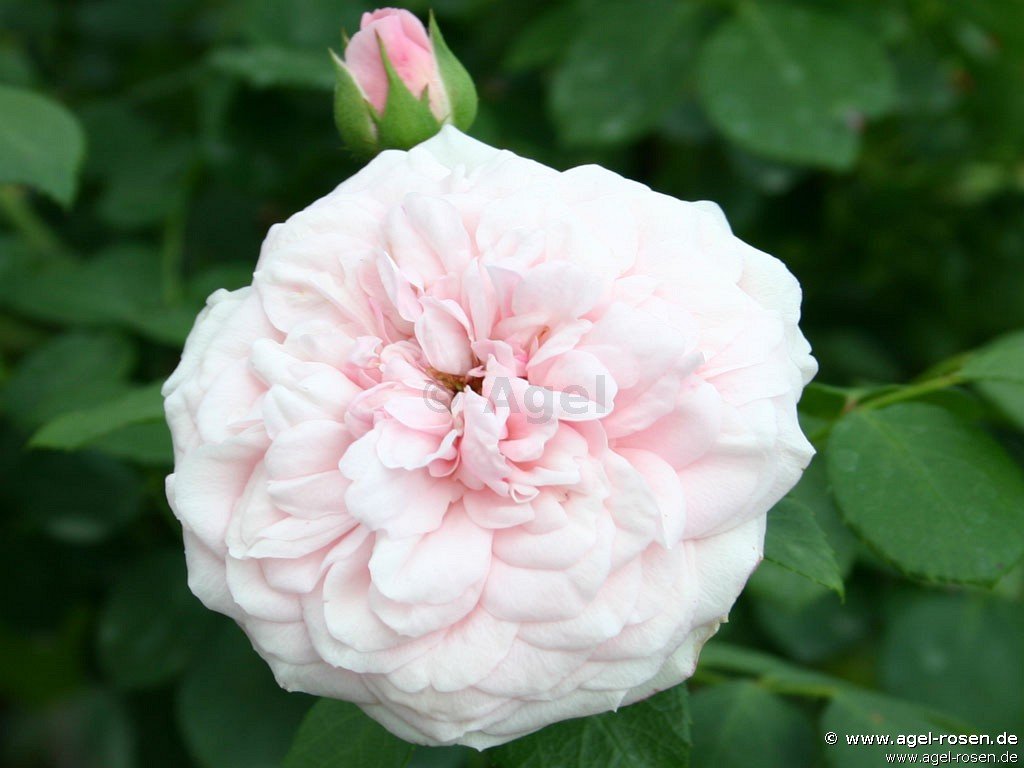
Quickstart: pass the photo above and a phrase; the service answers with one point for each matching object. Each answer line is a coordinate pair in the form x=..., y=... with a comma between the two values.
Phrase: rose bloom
x=486, y=445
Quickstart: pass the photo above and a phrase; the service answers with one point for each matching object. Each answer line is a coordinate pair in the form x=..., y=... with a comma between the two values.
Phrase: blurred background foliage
x=877, y=147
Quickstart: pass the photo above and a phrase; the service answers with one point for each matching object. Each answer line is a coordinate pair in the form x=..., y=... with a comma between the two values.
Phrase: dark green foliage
x=875, y=147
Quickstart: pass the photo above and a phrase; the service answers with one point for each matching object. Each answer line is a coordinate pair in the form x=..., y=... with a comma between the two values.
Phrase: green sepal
x=353, y=114
x=407, y=120
x=457, y=82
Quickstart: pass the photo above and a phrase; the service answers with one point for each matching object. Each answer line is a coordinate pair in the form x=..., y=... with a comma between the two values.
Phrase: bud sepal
x=398, y=84
x=462, y=97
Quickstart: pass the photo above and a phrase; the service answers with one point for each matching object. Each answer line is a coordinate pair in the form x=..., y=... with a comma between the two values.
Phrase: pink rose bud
x=408, y=47
x=398, y=84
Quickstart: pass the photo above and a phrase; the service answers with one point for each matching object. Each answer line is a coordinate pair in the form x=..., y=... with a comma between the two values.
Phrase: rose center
x=455, y=382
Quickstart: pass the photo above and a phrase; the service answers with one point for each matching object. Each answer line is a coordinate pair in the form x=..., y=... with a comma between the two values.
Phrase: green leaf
x=855, y=713
x=164, y=325
x=997, y=372
x=541, y=42
x=89, y=292
x=80, y=428
x=960, y=663
x=119, y=286
x=151, y=624
x=819, y=629
x=444, y=757
x=934, y=495
x=820, y=406
x=41, y=144
x=229, y=276
x=782, y=589
x=1002, y=360
x=785, y=592
x=16, y=67
x=796, y=542
x=141, y=168
x=147, y=444
x=269, y=66
x=232, y=713
x=1007, y=397
x=70, y=372
x=654, y=733
x=146, y=188
x=624, y=69
x=336, y=734
x=815, y=492
x=734, y=720
x=794, y=84
x=309, y=24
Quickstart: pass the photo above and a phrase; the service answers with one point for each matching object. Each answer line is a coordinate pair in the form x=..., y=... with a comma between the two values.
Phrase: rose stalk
x=363, y=483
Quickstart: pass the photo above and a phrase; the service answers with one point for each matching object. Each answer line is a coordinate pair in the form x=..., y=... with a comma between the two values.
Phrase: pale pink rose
x=365, y=484
x=410, y=52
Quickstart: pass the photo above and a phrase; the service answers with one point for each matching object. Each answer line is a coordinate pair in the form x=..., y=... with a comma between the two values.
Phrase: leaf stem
x=26, y=222
x=912, y=391
x=172, y=250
